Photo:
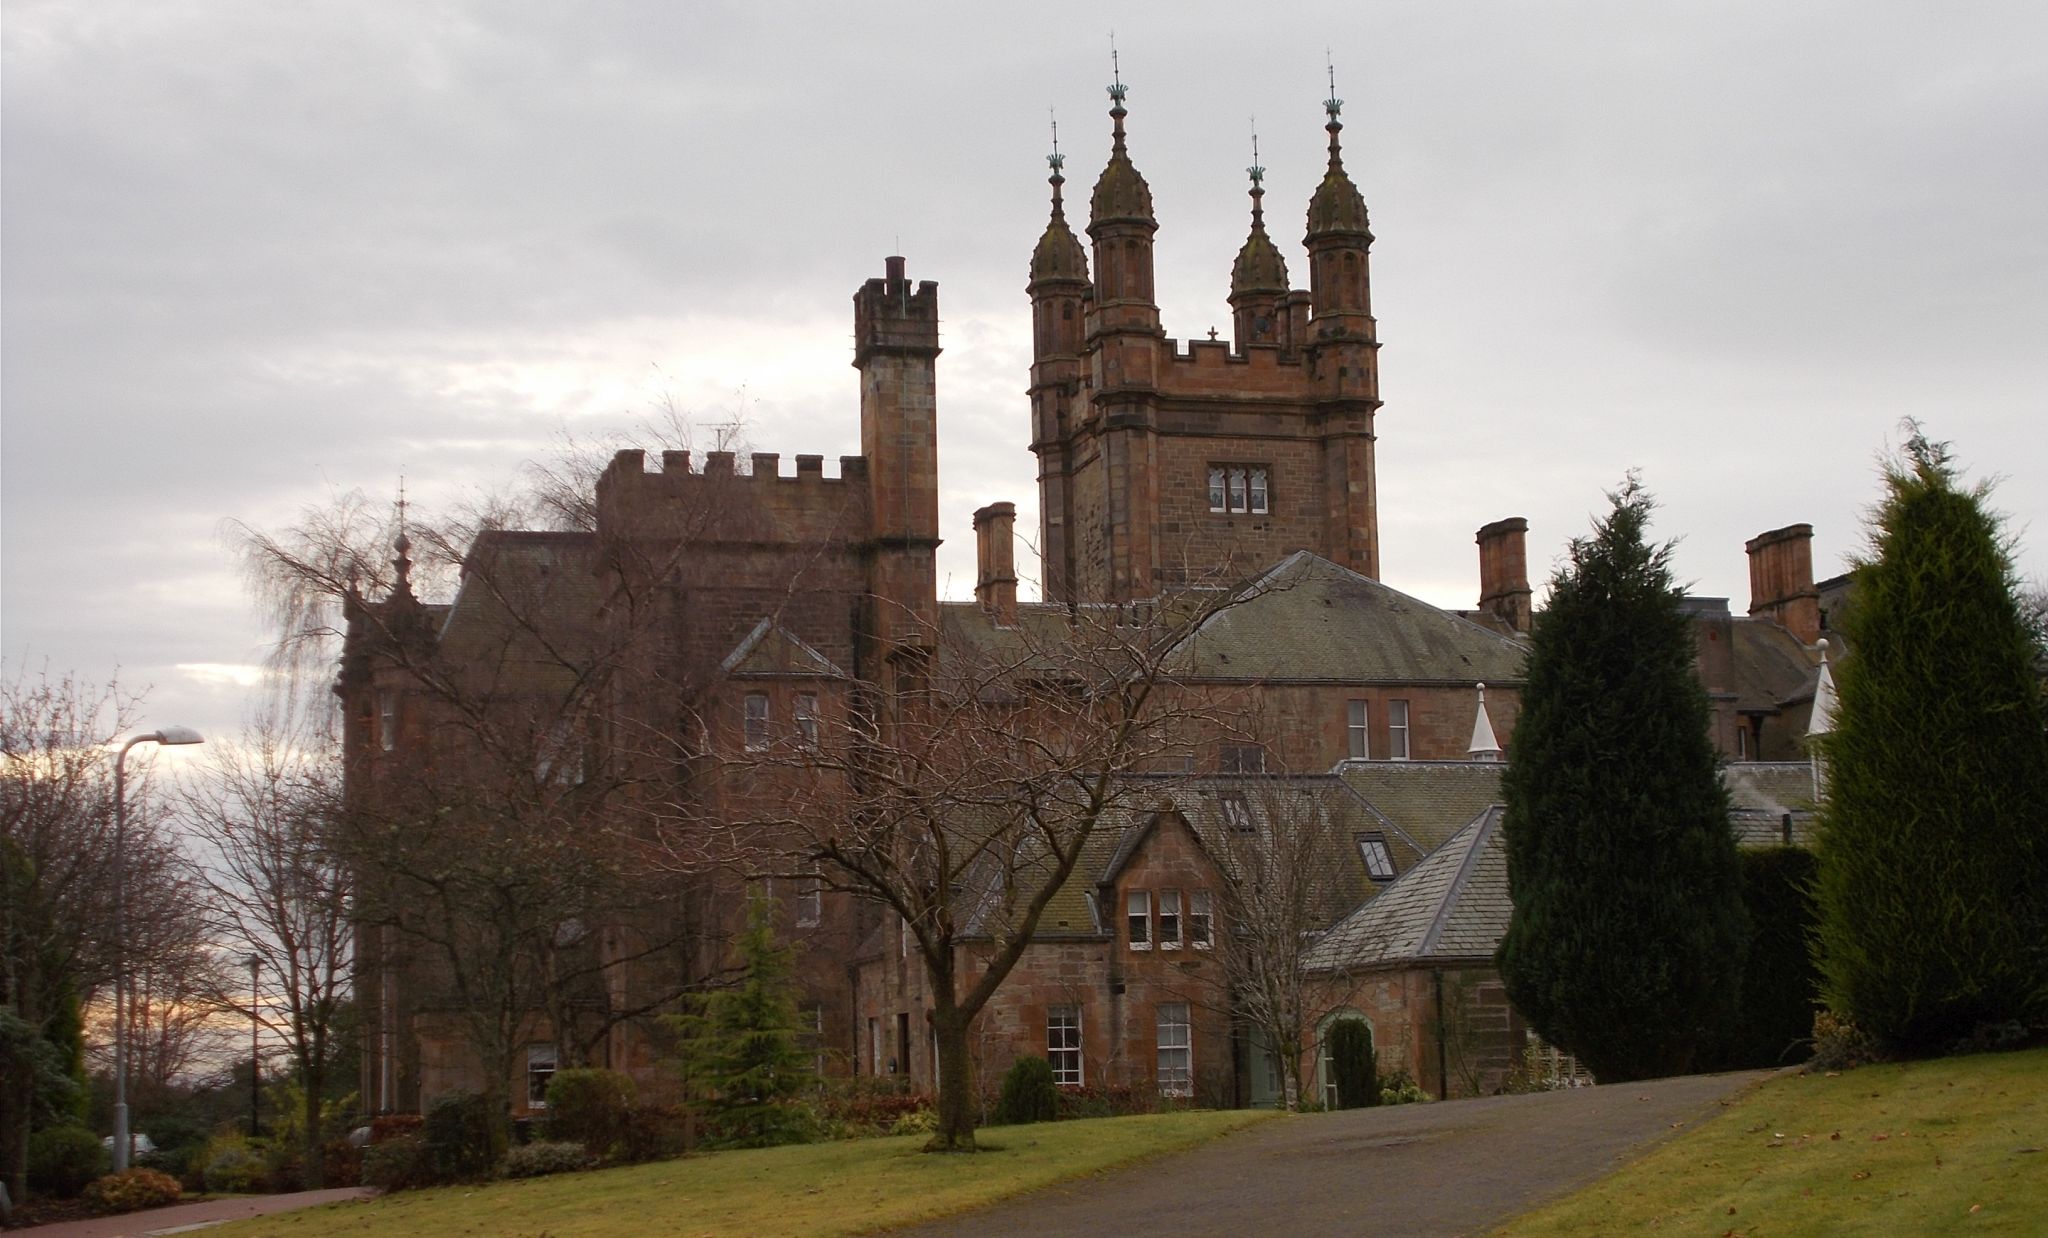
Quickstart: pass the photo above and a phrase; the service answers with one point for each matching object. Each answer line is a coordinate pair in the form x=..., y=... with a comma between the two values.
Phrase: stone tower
x=1163, y=464
x=896, y=350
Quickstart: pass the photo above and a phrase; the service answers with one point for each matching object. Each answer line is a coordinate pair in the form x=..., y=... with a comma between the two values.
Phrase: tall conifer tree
x=1933, y=885
x=1627, y=937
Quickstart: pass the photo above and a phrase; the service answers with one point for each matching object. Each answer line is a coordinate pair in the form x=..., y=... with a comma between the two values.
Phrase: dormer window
x=1379, y=861
x=1239, y=489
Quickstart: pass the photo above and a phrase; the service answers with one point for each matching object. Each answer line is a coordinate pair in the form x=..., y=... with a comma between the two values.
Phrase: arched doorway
x=1326, y=1075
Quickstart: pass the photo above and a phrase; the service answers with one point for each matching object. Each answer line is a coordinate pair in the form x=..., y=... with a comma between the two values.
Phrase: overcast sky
x=258, y=255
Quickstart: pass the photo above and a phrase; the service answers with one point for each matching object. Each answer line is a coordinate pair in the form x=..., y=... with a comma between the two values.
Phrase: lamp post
x=170, y=735
x=255, y=1055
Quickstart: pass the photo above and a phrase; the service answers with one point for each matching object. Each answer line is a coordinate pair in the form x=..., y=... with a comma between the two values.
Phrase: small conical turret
x=1059, y=256
x=1258, y=279
x=1337, y=209
x=1120, y=192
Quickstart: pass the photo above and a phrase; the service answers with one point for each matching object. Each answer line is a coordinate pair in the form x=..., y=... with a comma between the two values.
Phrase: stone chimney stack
x=995, y=578
x=1781, y=580
x=1504, y=573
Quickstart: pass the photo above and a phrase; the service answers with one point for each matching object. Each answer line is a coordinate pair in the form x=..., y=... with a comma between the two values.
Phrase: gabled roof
x=1427, y=800
x=1308, y=619
x=1453, y=905
x=771, y=650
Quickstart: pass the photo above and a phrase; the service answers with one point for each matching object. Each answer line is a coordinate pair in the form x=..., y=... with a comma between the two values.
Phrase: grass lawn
x=853, y=1187
x=1918, y=1148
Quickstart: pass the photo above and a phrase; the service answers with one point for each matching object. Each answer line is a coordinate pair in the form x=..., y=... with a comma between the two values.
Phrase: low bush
x=401, y=1163
x=922, y=1122
x=1029, y=1094
x=458, y=1136
x=590, y=1107
x=653, y=1133
x=1400, y=1088
x=543, y=1157
x=341, y=1163
x=131, y=1190
x=392, y=1125
x=1840, y=1045
x=866, y=1105
x=229, y=1164
x=1116, y=1100
x=63, y=1160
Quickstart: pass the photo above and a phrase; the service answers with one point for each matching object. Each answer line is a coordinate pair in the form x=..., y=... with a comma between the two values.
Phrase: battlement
x=1219, y=354
x=718, y=502
x=888, y=317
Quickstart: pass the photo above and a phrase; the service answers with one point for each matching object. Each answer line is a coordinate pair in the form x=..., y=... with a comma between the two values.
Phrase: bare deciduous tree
x=961, y=796
x=263, y=813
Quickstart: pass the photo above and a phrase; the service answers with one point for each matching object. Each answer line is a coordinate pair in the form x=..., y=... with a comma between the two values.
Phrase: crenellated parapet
x=717, y=502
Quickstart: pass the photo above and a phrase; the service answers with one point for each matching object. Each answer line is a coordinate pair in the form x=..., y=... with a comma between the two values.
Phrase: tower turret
x=1120, y=223
x=1059, y=294
x=1338, y=240
x=1258, y=279
x=896, y=350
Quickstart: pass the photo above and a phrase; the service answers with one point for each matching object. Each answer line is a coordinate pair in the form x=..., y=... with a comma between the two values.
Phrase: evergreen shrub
x=230, y=1165
x=1352, y=1062
x=1029, y=1094
x=401, y=1163
x=63, y=1160
x=458, y=1136
x=543, y=1157
x=1625, y=943
x=1933, y=884
x=591, y=1107
x=1780, y=986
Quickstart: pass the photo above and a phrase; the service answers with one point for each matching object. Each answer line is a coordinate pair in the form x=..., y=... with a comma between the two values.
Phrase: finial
x=402, y=562
x=1212, y=333
x=1823, y=651
x=1258, y=175
x=1333, y=105
x=1117, y=90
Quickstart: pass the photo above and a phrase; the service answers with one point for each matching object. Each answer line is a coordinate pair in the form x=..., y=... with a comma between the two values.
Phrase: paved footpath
x=1456, y=1168
x=180, y=1218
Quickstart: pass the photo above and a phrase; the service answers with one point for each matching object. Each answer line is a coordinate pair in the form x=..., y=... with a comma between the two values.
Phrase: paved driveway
x=181, y=1218
x=1454, y=1168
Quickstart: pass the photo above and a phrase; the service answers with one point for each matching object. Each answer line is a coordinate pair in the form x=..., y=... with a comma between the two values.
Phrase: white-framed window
x=1138, y=915
x=1239, y=488
x=756, y=706
x=387, y=719
x=1201, y=919
x=807, y=721
x=540, y=1071
x=1397, y=730
x=1063, y=1044
x=1356, y=744
x=1176, y=1050
x=1379, y=861
x=874, y=1046
x=810, y=902
x=1169, y=919
x=813, y=1023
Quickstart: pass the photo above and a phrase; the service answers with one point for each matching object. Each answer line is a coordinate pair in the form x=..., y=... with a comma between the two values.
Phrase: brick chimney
x=1781, y=580
x=1504, y=572
x=995, y=578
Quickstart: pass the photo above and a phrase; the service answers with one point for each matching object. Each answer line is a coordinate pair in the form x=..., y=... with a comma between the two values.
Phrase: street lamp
x=170, y=735
x=255, y=961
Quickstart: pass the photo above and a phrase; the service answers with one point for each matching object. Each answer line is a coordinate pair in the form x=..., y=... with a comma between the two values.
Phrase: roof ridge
x=1485, y=822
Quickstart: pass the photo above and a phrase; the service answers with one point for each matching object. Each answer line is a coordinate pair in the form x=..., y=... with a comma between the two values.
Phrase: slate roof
x=1452, y=905
x=525, y=615
x=1311, y=620
x=1199, y=800
x=1772, y=668
x=1761, y=793
x=1427, y=801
